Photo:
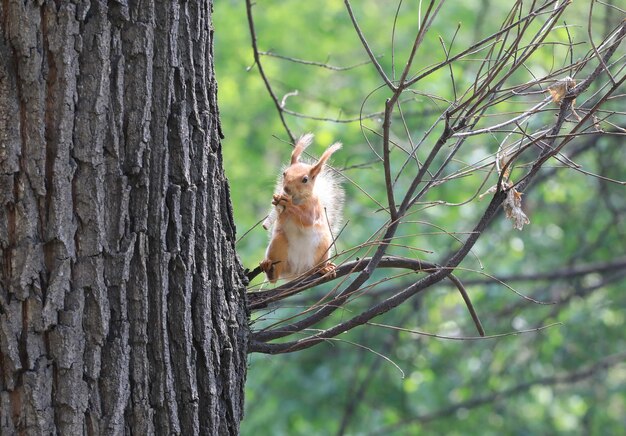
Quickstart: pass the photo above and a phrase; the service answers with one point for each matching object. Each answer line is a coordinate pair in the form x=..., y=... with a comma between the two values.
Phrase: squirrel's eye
x=305, y=179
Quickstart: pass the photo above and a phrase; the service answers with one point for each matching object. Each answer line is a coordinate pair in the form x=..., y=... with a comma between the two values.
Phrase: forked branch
x=462, y=120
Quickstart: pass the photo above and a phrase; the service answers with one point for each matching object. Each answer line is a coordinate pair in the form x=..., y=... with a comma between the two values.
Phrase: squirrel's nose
x=287, y=190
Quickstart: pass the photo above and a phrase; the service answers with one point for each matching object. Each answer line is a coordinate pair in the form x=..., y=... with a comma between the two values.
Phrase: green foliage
x=515, y=385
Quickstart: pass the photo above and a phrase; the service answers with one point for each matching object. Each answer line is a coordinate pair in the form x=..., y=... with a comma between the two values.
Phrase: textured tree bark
x=122, y=308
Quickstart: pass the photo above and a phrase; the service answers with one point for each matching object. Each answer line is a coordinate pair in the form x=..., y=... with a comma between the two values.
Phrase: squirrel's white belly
x=303, y=244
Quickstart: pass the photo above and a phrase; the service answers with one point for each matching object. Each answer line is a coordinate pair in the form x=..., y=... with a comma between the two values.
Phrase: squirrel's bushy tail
x=328, y=189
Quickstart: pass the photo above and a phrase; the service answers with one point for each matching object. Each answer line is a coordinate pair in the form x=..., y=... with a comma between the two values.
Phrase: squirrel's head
x=299, y=177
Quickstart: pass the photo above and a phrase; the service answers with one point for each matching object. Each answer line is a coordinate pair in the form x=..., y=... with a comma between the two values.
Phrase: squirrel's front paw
x=281, y=199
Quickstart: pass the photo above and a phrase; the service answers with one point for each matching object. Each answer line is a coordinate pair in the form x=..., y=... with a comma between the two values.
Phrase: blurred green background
x=567, y=379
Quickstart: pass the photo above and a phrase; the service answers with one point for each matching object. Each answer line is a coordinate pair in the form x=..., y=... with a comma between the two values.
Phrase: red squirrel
x=305, y=218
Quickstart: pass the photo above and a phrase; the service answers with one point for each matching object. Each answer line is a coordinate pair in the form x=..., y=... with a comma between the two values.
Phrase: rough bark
x=121, y=302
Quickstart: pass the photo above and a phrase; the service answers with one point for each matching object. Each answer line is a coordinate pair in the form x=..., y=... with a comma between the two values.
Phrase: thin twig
x=257, y=61
x=313, y=63
x=373, y=58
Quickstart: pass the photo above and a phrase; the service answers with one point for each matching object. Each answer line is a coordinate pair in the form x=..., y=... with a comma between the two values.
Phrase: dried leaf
x=560, y=89
x=513, y=209
x=512, y=204
x=557, y=92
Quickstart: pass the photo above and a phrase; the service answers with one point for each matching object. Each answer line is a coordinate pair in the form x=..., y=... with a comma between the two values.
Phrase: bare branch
x=465, y=338
x=259, y=300
x=313, y=63
x=593, y=46
x=507, y=50
x=479, y=44
x=379, y=68
x=257, y=61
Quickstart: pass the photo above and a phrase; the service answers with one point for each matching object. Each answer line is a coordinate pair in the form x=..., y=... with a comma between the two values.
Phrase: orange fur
x=301, y=235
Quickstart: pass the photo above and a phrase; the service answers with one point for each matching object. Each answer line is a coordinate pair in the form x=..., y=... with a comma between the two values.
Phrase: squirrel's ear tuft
x=303, y=142
x=320, y=164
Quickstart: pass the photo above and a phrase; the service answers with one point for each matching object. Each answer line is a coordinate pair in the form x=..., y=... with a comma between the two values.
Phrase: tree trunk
x=121, y=303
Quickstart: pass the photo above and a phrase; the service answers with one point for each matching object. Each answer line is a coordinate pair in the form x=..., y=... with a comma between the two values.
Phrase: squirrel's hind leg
x=325, y=266
x=329, y=269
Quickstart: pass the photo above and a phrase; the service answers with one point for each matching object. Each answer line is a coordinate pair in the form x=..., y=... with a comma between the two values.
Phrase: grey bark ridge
x=122, y=305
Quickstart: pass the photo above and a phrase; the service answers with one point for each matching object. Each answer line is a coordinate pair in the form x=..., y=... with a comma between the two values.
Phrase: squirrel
x=305, y=217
